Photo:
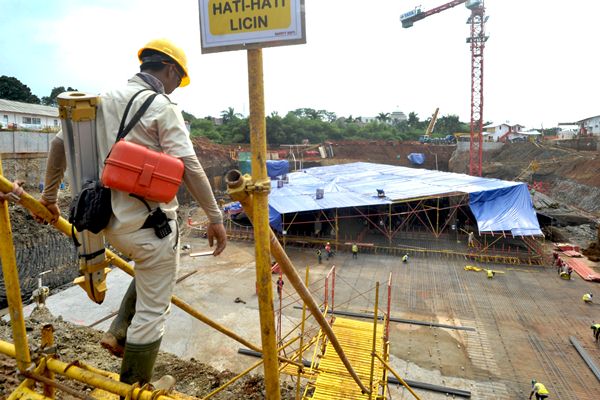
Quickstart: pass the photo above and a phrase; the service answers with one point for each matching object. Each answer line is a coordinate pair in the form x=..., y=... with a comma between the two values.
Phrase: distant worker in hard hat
x=566, y=271
x=471, y=239
x=595, y=330
x=138, y=328
x=559, y=265
x=280, y=284
x=354, y=251
x=319, y=256
x=554, y=257
x=405, y=258
x=490, y=273
x=328, y=250
x=587, y=298
x=539, y=390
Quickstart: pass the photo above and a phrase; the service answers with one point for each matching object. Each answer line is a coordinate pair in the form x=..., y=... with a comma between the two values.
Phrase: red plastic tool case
x=136, y=169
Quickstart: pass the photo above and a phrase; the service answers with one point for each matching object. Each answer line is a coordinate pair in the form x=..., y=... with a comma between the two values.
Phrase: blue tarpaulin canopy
x=496, y=204
x=277, y=168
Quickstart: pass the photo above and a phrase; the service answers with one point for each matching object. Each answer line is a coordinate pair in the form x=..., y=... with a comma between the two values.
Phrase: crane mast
x=477, y=41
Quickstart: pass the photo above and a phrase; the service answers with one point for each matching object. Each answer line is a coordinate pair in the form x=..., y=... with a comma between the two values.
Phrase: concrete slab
x=522, y=318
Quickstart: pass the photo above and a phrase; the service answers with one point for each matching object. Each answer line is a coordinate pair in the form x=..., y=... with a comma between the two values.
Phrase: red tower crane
x=477, y=41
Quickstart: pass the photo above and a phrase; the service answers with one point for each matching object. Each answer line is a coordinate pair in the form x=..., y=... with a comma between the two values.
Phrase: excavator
x=426, y=138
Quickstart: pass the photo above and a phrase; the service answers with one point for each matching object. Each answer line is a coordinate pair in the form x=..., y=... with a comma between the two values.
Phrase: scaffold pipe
x=11, y=281
x=374, y=342
x=237, y=189
x=81, y=373
x=64, y=226
x=385, y=364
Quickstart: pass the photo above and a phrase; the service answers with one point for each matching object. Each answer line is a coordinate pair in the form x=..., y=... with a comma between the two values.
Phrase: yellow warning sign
x=240, y=16
x=243, y=24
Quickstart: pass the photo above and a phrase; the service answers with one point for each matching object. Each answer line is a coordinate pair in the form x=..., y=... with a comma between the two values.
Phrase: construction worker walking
x=587, y=298
x=319, y=256
x=471, y=239
x=328, y=250
x=539, y=390
x=280, y=284
x=138, y=329
x=595, y=330
x=405, y=258
x=354, y=251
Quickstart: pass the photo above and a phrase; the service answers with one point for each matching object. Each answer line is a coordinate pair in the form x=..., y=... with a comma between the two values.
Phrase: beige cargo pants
x=156, y=263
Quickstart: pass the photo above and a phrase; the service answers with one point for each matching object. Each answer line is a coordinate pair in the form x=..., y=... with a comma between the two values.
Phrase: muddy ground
x=81, y=343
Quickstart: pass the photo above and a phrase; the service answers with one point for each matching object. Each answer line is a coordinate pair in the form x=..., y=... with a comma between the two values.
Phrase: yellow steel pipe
x=301, y=336
x=262, y=185
x=237, y=189
x=389, y=368
x=374, y=343
x=11, y=282
x=65, y=227
x=82, y=373
x=244, y=372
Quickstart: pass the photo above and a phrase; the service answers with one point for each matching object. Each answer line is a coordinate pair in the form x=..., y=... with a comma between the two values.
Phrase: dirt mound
x=593, y=250
x=81, y=343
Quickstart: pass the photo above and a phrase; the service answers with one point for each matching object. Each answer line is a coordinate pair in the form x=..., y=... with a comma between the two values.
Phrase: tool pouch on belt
x=157, y=219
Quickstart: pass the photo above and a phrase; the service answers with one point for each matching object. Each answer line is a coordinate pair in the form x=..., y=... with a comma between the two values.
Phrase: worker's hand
x=15, y=194
x=217, y=231
x=54, y=210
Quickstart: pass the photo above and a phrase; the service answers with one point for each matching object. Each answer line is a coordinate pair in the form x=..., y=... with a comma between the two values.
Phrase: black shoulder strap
x=123, y=131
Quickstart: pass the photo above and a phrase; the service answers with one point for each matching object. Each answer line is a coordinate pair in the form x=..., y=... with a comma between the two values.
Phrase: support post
x=13, y=288
x=47, y=342
x=260, y=202
x=300, y=348
x=373, y=345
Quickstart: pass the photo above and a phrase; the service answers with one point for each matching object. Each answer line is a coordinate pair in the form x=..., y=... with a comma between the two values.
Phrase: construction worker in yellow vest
x=405, y=258
x=490, y=273
x=539, y=390
x=587, y=298
x=354, y=251
x=595, y=330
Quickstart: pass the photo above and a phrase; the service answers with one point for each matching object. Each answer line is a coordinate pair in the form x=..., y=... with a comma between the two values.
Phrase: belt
x=147, y=223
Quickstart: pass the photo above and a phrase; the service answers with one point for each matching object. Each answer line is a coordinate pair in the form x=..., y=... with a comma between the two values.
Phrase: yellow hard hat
x=170, y=49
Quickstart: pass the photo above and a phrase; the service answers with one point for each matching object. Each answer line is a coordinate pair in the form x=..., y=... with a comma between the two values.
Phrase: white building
x=25, y=116
x=590, y=126
x=500, y=132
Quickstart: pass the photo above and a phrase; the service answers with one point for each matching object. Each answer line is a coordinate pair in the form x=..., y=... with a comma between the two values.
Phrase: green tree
x=413, y=119
x=51, y=100
x=230, y=115
x=205, y=128
x=449, y=124
x=383, y=117
x=12, y=89
x=188, y=117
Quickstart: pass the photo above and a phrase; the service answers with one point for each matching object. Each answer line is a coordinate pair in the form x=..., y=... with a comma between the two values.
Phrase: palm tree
x=383, y=117
x=229, y=115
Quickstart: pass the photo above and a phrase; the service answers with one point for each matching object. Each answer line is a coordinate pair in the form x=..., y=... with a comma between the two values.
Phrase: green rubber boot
x=138, y=362
x=114, y=339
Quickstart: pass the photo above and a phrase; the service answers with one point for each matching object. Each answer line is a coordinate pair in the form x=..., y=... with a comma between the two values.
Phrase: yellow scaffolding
x=333, y=380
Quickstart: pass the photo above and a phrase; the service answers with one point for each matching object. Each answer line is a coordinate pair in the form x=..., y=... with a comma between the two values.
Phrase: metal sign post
x=251, y=25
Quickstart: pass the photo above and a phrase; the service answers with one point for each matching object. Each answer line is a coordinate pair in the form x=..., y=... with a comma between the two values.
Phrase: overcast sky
x=541, y=63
